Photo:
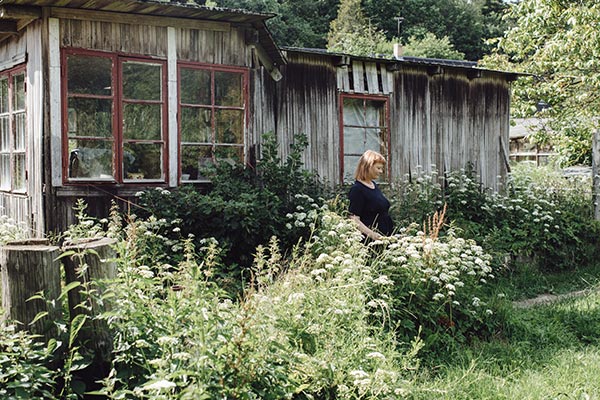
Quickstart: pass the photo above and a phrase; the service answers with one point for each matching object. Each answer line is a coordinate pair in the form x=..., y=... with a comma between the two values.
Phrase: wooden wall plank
x=372, y=79
x=358, y=76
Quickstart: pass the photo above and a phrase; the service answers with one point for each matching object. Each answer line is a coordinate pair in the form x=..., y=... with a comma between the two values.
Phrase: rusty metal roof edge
x=180, y=4
x=468, y=65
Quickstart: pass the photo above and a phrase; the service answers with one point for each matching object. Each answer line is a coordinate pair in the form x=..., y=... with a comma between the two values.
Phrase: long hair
x=366, y=162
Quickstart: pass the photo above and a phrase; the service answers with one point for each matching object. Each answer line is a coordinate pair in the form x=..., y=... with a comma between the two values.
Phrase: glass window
x=365, y=127
x=212, y=117
x=115, y=112
x=13, y=131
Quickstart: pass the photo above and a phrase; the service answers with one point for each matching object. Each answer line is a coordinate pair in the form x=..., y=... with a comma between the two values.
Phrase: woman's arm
x=365, y=230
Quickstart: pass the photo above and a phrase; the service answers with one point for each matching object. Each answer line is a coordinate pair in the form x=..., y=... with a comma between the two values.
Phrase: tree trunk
x=27, y=268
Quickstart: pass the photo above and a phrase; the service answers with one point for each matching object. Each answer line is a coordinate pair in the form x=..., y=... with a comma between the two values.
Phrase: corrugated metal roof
x=427, y=62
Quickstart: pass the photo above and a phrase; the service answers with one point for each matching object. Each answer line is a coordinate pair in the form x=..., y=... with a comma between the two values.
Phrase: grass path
x=548, y=349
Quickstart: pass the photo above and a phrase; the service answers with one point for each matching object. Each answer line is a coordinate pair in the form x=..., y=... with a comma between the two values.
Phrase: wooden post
x=27, y=268
x=596, y=173
x=91, y=262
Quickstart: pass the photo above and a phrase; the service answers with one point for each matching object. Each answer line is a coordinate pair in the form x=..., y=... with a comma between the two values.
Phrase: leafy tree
x=352, y=33
x=296, y=22
x=467, y=24
x=432, y=47
x=558, y=43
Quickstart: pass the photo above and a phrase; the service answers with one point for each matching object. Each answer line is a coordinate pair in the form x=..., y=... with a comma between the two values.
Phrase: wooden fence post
x=596, y=173
x=29, y=267
x=91, y=261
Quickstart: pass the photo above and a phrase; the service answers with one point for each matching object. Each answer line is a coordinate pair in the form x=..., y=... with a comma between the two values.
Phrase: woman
x=368, y=206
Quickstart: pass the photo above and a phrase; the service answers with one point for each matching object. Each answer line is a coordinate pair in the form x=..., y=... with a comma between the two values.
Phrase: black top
x=371, y=206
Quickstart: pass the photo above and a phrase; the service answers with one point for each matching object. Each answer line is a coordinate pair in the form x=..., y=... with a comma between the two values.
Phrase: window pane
x=358, y=140
x=19, y=172
x=230, y=154
x=91, y=159
x=193, y=159
x=19, y=92
x=4, y=134
x=90, y=117
x=89, y=75
x=195, y=86
x=142, y=161
x=230, y=126
x=353, y=112
x=19, y=140
x=5, y=171
x=374, y=113
x=354, y=141
x=350, y=163
x=142, y=81
x=228, y=89
x=142, y=121
x=4, y=94
x=196, y=125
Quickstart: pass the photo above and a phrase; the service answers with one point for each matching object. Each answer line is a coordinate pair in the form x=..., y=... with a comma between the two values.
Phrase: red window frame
x=117, y=121
x=11, y=151
x=212, y=68
x=387, y=135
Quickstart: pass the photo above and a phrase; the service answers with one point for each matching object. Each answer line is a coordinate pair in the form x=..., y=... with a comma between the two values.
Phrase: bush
x=25, y=371
x=539, y=215
x=243, y=207
x=435, y=286
x=302, y=329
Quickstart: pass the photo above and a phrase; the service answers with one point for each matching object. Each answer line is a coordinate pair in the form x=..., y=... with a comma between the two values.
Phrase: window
x=12, y=130
x=212, y=117
x=364, y=127
x=115, y=110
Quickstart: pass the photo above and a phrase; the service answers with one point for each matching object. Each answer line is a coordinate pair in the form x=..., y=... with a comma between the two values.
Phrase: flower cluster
x=11, y=230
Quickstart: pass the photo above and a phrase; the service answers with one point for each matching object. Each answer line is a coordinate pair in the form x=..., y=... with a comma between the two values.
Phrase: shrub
x=435, y=286
x=243, y=207
x=25, y=371
x=540, y=214
x=302, y=330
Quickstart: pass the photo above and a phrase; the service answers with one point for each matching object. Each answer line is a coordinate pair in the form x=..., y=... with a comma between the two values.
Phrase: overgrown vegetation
x=243, y=208
x=423, y=313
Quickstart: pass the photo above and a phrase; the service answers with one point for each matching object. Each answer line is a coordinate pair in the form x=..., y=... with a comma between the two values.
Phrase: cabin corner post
x=173, y=143
x=54, y=83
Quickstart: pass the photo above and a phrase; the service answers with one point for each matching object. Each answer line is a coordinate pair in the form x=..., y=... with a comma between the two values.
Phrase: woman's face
x=376, y=170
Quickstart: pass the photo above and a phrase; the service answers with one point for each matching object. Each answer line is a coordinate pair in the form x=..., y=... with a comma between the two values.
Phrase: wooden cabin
x=100, y=99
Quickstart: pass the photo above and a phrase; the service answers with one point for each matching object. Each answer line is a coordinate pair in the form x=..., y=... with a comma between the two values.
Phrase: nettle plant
x=438, y=283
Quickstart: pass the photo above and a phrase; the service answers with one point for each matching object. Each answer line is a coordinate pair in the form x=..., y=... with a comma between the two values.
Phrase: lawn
x=549, y=351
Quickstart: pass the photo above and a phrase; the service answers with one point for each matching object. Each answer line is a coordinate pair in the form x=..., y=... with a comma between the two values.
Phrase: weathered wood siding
x=27, y=208
x=447, y=121
x=440, y=119
x=304, y=101
x=114, y=37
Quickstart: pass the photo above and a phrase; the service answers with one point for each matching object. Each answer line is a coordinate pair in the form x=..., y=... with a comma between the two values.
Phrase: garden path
x=547, y=298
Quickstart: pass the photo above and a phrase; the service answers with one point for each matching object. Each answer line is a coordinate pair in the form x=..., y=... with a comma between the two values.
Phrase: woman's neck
x=368, y=183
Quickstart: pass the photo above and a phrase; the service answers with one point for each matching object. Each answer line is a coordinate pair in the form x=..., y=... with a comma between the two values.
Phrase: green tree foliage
x=351, y=32
x=466, y=23
x=296, y=22
x=558, y=42
x=432, y=47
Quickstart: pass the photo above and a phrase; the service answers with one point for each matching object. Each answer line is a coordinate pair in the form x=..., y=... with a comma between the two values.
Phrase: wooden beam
x=19, y=12
x=139, y=19
x=8, y=26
